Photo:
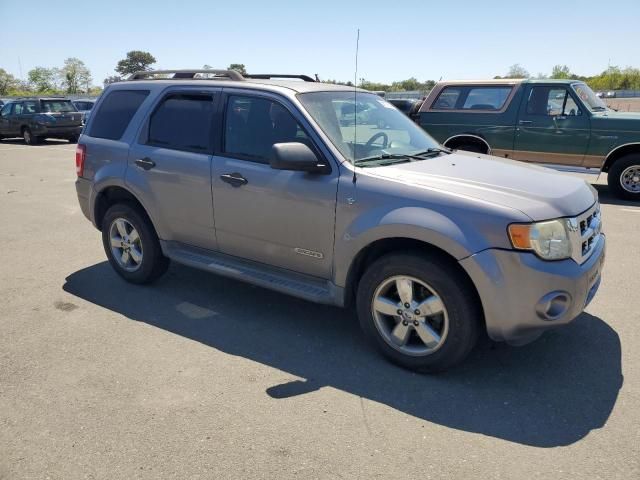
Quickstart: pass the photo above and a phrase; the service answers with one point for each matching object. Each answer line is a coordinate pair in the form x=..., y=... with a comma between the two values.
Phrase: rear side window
x=486, y=98
x=447, y=99
x=115, y=113
x=183, y=122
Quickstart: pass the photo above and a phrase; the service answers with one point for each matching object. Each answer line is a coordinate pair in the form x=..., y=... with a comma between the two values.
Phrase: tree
x=207, y=67
x=7, y=82
x=111, y=79
x=136, y=61
x=561, y=71
x=42, y=79
x=517, y=71
x=75, y=75
x=238, y=67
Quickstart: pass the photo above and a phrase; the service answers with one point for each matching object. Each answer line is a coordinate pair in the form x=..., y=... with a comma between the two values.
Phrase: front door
x=170, y=166
x=5, y=120
x=276, y=217
x=551, y=127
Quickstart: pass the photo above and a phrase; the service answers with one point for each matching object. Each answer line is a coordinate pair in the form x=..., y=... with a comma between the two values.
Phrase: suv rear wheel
x=419, y=311
x=131, y=244
x=624, y=177
x=28, y=137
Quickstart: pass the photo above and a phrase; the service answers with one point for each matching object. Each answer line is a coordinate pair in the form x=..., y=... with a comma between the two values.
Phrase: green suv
x=553, y=122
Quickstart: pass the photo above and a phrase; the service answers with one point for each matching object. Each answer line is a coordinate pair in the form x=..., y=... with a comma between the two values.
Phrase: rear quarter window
x=116, y=111
x=486, y=98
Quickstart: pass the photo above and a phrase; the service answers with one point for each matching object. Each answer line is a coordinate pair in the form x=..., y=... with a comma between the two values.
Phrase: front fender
x=409, y=222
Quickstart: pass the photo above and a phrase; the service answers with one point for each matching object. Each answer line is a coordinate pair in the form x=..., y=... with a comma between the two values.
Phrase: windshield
x=589, y=98
x=363, y=125
x=57, y=106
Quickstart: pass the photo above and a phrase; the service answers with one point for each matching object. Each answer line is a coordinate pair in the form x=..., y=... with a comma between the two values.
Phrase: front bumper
x=523, y=295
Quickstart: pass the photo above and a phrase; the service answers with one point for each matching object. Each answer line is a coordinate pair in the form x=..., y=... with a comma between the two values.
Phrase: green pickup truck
x=551, y=122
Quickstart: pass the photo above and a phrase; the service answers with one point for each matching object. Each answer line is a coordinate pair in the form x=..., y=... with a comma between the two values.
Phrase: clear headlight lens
x=549, y=240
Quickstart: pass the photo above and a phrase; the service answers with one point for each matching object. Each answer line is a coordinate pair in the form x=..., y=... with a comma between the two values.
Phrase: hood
x=612, y=120
x=538, y=192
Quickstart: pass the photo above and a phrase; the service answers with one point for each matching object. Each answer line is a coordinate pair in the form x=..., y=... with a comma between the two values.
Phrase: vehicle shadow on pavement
x=552, y=392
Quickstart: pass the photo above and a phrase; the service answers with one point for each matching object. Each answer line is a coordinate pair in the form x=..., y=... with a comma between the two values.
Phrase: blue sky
x=398, y=39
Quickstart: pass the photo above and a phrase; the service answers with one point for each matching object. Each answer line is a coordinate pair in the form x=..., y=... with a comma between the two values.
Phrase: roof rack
x=185, y=74
x=268, y=76
x=210, y=74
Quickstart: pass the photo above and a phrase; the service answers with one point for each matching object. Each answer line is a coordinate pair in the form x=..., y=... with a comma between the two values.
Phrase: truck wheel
x=470, y=147
x=419, y=311
x=624, y=177
x=29, y=138
x=131, y=244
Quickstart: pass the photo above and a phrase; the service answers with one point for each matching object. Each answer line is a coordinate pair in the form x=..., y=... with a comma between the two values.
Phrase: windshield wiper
x=402, y=157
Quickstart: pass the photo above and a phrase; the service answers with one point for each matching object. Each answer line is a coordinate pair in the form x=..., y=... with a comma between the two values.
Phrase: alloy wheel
x=126, y=245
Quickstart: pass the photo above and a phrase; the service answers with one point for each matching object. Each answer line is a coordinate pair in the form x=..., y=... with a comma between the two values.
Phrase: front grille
x=586, y=233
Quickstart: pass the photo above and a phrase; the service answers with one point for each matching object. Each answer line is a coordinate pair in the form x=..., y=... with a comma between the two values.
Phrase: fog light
x=553, y=305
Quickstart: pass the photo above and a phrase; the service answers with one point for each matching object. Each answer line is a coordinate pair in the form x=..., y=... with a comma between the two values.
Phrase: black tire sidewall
x=154, y=263
x=454, y=289
x=32, y=140
x=615, y=172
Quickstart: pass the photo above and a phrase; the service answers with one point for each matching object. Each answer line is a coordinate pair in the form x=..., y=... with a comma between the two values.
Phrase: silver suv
x=331, y=194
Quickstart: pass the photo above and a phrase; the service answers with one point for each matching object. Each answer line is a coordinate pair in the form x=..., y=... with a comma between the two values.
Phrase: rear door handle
x=146, y=163
x=525, y=122
x=234, y=179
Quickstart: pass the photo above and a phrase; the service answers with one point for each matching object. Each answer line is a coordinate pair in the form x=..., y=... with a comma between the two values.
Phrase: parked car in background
x=552, y=122
x=408, y=106
x=432, y=246
x=610, y=94
x=1, y=103
x=37, y=118
x=84, y=106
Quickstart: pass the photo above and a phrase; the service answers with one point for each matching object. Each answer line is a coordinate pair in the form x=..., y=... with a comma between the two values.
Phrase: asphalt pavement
x=199, y=376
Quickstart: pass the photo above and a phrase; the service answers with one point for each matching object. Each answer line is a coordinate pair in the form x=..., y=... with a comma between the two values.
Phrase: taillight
x=81, y=154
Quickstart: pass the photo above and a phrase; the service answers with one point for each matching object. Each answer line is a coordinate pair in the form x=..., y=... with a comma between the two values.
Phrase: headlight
x=549, y=240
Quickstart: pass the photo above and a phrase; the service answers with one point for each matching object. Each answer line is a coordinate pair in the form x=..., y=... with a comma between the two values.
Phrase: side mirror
x=295, y=156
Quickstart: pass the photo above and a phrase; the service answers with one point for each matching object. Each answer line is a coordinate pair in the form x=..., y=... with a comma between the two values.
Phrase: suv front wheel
x=624, y=177
x=131, y=244
x=421, y=312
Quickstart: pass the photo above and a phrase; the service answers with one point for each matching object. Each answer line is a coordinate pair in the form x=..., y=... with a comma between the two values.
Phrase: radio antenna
x=355, y=108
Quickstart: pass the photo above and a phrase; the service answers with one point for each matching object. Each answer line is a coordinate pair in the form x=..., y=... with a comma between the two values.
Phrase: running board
x=278, y=279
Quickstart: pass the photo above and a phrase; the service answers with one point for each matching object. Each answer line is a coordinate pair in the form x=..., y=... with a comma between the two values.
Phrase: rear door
x=551, y=127
x=16, y=119
x=5, y=120
x=170, y=164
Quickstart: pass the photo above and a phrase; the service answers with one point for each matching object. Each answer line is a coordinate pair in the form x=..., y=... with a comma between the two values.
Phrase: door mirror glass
x=295, y=156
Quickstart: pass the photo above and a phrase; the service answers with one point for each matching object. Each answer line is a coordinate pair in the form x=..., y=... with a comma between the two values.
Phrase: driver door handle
x=234, y=179
x=145, y=163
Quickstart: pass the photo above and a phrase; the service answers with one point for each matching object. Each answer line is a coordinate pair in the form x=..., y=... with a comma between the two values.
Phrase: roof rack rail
x=185, y=74
x=268, y=76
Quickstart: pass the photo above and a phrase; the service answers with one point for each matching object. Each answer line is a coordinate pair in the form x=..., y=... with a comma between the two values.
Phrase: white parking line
x=633, y=210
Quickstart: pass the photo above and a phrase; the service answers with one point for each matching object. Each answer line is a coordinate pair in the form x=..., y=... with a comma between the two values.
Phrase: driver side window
x=551, y=101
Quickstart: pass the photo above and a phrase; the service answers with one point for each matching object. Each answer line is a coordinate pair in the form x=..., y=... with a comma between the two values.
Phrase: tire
x=470, y=147
x=624, y=177
x=73, y=139
x=28, y=137
x=152, y=264
x=457, y=325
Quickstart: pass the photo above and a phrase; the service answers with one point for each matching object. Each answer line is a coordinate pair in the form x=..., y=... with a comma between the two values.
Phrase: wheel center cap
x=407, y=315
x=635, y=179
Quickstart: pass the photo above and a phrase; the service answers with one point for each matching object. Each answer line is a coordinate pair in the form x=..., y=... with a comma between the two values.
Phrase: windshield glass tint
x=363, y=124
x=588, y=97
x=57, y=106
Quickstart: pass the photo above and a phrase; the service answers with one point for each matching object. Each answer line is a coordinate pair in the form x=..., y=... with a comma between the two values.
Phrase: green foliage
x=111, y=79
x=238, y=67
x=562, y=72
x=614, y=78
x=136, y=61
x=43, y=79
x=7, y=82
x=76, y=77
x=516, y=71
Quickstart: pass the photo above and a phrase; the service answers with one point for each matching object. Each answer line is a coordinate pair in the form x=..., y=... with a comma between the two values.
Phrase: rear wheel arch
x=456, y=141
x=619, y=152
x=112, y=195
